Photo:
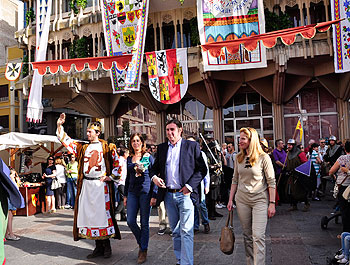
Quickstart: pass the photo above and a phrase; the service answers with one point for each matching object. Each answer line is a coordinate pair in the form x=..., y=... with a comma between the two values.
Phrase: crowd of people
x=187, y=180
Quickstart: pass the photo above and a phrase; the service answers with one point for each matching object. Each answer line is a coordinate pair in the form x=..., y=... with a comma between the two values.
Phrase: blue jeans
x=180, y=211
x=202, y=208
x=71, y=191
x=345, y=244
x=135, y=203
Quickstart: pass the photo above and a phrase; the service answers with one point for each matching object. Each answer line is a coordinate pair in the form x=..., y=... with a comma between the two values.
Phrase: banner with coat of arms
x=125, y=24
x=341, y=35
x=13, y=71
x=223, y=20
x=167, y=74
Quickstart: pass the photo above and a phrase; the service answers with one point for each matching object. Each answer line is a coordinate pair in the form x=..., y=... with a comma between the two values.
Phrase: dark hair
x=314, y=145
x=131, y=149
x=51, y=158
x=278, y=141
x=347, y=146
x=175, y=121
x=123, y=151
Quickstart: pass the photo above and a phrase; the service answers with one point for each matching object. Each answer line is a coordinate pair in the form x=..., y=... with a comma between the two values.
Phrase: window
x=4, y=121
x=4, y=93
x=149, y=43
x=168, y=35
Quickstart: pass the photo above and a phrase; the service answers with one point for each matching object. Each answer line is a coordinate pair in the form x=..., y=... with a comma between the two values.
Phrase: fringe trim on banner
x=35, y=114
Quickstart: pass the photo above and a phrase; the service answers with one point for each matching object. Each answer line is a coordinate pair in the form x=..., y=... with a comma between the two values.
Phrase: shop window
x=309, y=100
x=186, y=33
x=206, y=128
x=168, y=35
x=228, y=111
x=254, y=123
x=329, y=125
x=268, y=124
x=289, y=125
x=291, y=107
x=190, y=110
x=228, y=126
x=204, y=112
x=266, y=107
x=253, y=104
x=311, y=126
x=240, y=104
x=328, y=103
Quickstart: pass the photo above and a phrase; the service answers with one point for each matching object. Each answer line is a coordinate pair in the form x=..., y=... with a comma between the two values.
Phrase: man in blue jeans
x=72, y=175
x=177, y=171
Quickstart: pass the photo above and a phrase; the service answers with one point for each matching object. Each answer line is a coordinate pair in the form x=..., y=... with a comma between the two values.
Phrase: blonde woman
x=253, y=188
x=60, y=193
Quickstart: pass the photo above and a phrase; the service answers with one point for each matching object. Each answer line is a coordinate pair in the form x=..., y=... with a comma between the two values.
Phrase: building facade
x=298, y=82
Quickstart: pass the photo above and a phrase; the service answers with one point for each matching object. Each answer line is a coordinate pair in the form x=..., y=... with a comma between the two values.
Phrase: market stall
x=13, y=148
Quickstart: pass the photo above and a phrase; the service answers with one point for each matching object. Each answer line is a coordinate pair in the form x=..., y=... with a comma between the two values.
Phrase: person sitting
x=343, y=258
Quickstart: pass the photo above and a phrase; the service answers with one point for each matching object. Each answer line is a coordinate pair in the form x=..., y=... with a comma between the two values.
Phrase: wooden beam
x=344, y=85
x=58, y=149
x=296, y=68
x=331, y=83
x=258, y=73
x=324, y=68
x=212, y=90
x=293, y=84
x=44, y=148
x=198, y=91
x=279, y=80
x=194, y=77
x=264, y=87
x=235, y=76
x=227, y=91
x=113, y=102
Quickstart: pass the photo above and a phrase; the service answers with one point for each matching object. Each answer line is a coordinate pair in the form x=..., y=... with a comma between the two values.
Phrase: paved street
x=292, y=238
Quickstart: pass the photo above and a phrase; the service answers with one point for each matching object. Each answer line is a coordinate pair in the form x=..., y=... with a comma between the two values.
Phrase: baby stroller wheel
x=324, y=222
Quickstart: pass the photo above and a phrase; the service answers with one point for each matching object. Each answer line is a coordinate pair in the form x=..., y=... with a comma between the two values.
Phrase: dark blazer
x=191, y=163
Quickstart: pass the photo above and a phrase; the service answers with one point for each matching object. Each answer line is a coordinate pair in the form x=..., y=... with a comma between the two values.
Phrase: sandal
x=13, y=237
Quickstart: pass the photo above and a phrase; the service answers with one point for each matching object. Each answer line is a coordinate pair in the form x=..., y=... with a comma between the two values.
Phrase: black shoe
x=206, y=228
x=107, y=253
x=211, y=218
x=98, y=251
x=161, y=231
x=216, y=214
x=123, y=218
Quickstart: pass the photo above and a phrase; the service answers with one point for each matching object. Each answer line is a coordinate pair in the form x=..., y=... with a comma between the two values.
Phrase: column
x=155, y=36
x=309, y=22
x=301, y=5
x=160, y=121
x=329, y=41
x=278, y=119
x=343, y=110
x=175, y=29
x=93, y=44
x=12, y=126
x=109, y=123
x=20, y=122
x=218, y=125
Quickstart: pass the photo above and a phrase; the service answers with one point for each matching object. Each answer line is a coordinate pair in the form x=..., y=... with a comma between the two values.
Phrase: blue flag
x=305, y=168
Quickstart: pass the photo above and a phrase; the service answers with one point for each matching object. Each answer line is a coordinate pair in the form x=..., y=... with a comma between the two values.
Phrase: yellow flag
x=300, y=128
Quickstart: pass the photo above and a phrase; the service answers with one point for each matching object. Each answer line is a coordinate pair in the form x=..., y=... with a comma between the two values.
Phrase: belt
x=88, y=178
x=172, y=190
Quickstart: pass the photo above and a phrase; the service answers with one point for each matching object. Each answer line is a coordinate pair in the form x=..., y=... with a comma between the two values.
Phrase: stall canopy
x=41, y=146
x=269, y=40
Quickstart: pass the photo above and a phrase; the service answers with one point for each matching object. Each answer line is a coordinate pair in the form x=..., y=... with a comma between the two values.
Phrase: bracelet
x=272, y=202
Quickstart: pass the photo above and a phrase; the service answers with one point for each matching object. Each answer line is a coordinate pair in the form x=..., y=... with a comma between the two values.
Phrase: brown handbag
x=227, y=238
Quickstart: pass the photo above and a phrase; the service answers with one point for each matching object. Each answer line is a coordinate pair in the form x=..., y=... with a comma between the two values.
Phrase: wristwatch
x=272, y=202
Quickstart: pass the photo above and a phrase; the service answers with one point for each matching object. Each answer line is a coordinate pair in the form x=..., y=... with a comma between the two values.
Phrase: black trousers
x=121, y=208
x=344, y=209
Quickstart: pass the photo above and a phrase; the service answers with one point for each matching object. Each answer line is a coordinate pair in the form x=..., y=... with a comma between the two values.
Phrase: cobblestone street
x=292, y=238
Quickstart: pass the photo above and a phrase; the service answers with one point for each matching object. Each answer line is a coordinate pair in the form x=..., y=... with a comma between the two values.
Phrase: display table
x=34, y=198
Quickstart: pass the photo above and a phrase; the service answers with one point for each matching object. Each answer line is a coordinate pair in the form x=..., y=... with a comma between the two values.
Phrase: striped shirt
x=314, y=156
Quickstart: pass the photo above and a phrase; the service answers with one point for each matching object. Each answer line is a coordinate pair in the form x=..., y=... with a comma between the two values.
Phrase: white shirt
x=172, y=166
x=61, y=177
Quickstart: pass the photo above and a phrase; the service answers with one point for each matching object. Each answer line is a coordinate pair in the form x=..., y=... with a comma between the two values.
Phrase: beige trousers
x=162, y=216
x=252, y=213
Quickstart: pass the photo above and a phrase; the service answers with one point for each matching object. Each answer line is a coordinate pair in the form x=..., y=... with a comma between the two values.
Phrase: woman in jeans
x=342, y=166
x=72, y=175
x=50, y=173
x=138, y=192
x=253, y=187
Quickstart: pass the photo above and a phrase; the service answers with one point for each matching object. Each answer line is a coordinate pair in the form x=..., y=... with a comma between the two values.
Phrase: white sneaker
x=343, y=261
x=218, y=206
x=341, y=256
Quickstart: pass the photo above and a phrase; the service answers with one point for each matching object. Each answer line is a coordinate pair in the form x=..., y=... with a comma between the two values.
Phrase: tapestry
x=167, y=74
x=341, y=35
x=125, y=24
x=223, y=20
x=35, y=107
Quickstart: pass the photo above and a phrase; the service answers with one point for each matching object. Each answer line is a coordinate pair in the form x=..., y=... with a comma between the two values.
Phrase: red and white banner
x=167, y=74
x=13, y=71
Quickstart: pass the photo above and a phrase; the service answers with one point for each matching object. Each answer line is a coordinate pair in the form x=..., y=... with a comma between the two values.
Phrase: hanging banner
x=125, y=24
x=13, y=70
x=224, y=20
x=43, y=13
x=341, y=35
x=167, y=74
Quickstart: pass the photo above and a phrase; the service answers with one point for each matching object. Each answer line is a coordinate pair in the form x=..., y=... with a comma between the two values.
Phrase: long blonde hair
x=254, y=150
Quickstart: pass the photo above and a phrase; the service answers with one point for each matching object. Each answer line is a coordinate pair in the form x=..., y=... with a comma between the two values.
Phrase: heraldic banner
x=35, y=107
x=221, y=20
x=125, y=24
x=341, y=35
x=167, y=74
